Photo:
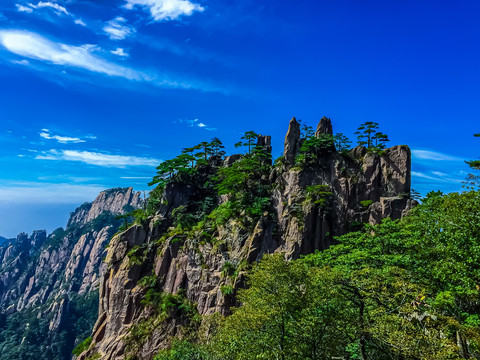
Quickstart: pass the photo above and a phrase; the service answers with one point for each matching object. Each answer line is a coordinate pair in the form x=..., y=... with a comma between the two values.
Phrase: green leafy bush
x=84, y=345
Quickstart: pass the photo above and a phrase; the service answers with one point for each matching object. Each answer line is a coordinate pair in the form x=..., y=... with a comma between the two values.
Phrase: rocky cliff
x=48, y=281
x=204, y=267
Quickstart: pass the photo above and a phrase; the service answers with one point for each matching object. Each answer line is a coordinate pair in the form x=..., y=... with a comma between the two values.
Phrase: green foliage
x=228, y=269
x=415, y=195
x=164, y=306
x=188, y=167
x=182, y=350
x=182, y=218
x=284, y=315
x=473, y=180
x=224, y=212
x=56, y=237
x=249, y=139
x=369, y=136
x=148, y=282
x=246, y=182
x=84, y=345
x=366, y=203
x=342, y=143
x=226, y=290
x=318, y=194
x=312, y=148
x=402, y=290
x=95, y=356
x=24, y=335
x=136, y=255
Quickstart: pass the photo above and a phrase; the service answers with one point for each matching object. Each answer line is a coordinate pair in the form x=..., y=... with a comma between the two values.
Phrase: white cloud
x=47, y=4
x=433, y=155
x=166, y=9
x=120, y=52
x=59, y=10
x=96, y=158
x=440, y=179
x=439, y=173
x=118, y=29
x=34, y=46
x=135, y=177
x=22, y=8
x=79, y=22
x=63, y=139
x=197, y=123
x=20, y=62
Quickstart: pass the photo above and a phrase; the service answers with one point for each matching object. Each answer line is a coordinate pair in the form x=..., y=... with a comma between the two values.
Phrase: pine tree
x=365, y=133
x=341, y=142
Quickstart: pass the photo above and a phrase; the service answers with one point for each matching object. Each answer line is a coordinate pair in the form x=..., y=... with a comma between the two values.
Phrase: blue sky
x=94, y=94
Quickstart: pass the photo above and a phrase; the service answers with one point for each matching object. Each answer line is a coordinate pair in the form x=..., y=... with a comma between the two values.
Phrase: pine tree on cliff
x=473, y=180
x=369, y=136
x=249, y=138
x=365, y=133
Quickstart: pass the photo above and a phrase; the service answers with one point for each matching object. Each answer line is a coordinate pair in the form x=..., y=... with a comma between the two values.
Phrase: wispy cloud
x=23, y=8
x=135, y=177
x=433, y=155
x=58, y=9
x=120, y=52
x=35, y=46
x=197, y=123
x=45, y=133
x=161, y=10
x=443, y=178
x=118, y=29
x=21, y=62
x=79, y=22
x=97, y=158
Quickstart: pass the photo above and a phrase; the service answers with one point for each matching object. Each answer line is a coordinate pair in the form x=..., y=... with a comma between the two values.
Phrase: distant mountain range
x=49, y=284
x=4, y=240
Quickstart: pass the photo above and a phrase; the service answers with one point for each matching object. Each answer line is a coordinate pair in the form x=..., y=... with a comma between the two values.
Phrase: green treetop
x=249, y=139
x=369, y=136
x=342, y=143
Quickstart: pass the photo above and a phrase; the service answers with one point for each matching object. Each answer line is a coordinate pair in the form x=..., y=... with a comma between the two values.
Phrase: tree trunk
x=362, y=341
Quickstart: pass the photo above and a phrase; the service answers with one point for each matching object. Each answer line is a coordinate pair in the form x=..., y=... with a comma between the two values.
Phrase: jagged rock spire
x=324, y=127
x=292, y=142
x=265, y=141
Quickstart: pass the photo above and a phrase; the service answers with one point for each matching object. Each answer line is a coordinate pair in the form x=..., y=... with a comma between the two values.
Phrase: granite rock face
x=41, y=274
x=292, y=142
x=363, y=186
x=324, y=127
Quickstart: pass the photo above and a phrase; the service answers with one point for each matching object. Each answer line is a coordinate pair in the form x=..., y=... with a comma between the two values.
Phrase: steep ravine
x=364, y=186
x=48, y=282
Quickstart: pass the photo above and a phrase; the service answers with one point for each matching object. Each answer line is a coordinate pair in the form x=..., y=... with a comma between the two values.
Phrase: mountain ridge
x=55, y=277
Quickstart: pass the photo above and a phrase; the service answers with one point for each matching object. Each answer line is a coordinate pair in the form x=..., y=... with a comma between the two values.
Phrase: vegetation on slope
x=403, y=290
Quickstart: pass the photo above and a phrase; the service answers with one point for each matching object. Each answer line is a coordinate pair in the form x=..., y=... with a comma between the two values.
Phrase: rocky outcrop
x=311, y=206
x=41, y=275
x=324, y=127
x=292, y=142
x=112, y=200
